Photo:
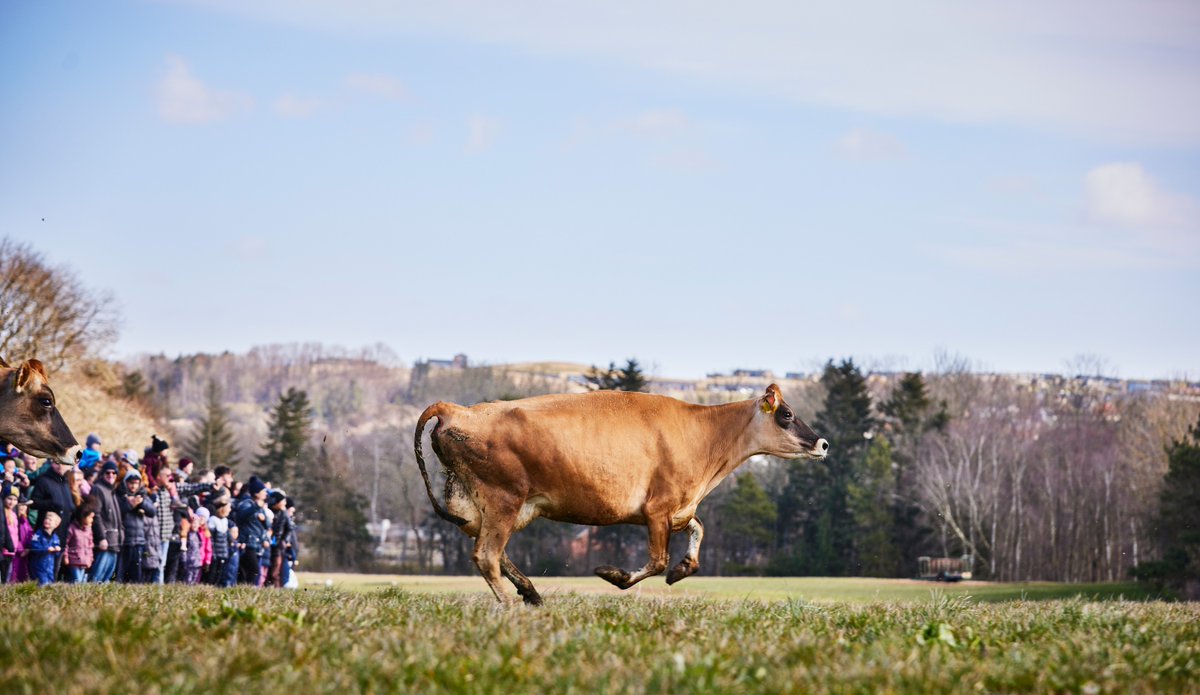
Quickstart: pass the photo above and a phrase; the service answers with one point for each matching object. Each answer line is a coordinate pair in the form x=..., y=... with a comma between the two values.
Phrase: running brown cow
x=29, y=417
x=600, y=458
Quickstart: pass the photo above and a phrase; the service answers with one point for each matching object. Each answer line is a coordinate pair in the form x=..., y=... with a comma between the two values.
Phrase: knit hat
x=255, y=486
x=132, y=474
x=130, y=457
x=275, y=497
x=9, y=490
x=202, y=513
x=108, y=466
x=92, y=438
x=158, y=445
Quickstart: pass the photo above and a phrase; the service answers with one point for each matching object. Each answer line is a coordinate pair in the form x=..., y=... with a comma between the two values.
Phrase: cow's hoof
x=532, y=598
x=614, y=575
x=683, y=569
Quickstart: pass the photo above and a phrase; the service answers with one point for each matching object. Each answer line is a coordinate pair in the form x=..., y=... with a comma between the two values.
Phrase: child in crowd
x=218, y=532
x=194, y=555
x=206, y=549
x=21, y=543
x=78, y=559
x=11, y=530
x=44, y=548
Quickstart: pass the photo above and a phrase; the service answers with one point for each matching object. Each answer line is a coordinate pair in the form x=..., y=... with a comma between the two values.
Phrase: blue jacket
x=252, y=524
x=42, y=552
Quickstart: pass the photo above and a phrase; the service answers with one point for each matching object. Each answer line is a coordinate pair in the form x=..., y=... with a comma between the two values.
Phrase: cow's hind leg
x=494, y=533
x=519, y=580
x=691, y=561
x=660, y=533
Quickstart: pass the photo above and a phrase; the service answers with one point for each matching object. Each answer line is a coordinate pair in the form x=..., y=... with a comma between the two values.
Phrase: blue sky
x=698, y=185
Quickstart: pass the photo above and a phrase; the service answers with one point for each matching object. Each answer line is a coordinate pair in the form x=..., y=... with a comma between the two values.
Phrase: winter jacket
x=219, y=529
x=107, y=524
x=79, y=546
x=43, y=550
x=135, y=518
x=8, y=531
x=206, y=548
x=195, y=550
x=152, y=556
x=252, y=524
x=281, y=533
x=21, y=543
x=51, y=489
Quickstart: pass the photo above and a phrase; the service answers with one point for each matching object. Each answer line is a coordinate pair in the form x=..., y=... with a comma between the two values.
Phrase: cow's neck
x=730, y=442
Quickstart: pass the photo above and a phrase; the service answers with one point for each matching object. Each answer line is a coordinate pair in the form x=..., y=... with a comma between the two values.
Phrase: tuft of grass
x=198, y=639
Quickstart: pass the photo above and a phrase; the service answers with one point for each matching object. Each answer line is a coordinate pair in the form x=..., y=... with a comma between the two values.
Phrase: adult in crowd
x=108, y=529
x=281, y=538
x=51, y=490
x=252, y=526
x=136, y=510
x=155, y=457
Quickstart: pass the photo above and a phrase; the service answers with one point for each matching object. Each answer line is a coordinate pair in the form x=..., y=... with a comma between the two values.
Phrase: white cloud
x=182, y=98
x=1124, y=72
x=862, y=144
x=1124, y=194
x=377, y=85
x=482, y=133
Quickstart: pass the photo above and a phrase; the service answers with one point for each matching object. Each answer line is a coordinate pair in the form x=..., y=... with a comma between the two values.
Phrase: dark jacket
x=134, y=518
x=281, y=533
x=51, y=490
x=107, y=525
x=252, y=524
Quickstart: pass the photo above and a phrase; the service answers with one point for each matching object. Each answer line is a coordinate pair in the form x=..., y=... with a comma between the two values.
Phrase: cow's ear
x=29, y=371
x=772, y=399
x=4, y=364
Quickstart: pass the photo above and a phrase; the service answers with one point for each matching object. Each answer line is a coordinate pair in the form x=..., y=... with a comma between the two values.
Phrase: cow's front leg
x=691, y=561
x=660, y=533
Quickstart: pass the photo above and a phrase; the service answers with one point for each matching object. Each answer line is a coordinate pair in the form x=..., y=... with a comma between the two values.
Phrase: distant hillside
x=86, y=399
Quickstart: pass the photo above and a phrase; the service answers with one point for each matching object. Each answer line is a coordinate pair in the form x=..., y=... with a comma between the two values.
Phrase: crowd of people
x=119, y=517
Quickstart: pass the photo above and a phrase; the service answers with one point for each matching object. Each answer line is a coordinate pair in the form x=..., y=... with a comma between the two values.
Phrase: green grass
x=856, y=589
x=196, y=639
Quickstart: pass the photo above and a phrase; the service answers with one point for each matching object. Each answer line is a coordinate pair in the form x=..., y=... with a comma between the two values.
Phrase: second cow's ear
x=4, y=364
x=772, y=399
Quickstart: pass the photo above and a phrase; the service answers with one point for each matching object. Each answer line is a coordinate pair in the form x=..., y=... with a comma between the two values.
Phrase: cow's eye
x=47, y=403
x=787, y=415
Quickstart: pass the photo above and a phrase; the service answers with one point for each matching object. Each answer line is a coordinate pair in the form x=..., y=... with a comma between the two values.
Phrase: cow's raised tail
x=431, y=412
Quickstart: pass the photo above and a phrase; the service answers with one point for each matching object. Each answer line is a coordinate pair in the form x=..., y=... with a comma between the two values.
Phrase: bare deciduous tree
x=46, y=312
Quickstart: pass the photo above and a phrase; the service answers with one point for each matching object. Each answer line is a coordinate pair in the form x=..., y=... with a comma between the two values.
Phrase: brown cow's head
x=29, y=418
x=784, y=434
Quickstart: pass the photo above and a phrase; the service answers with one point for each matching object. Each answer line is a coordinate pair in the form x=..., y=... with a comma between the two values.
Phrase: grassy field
x=148, y=639
x=857, y=590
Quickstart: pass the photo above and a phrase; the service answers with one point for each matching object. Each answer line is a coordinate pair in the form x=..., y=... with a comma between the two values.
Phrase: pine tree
x=816, y=528
x=288, y=434
x=335, y=524
x=629, y=378
x=747, y=520
x=212, y=444
x=871, y=493
x=1179, y=520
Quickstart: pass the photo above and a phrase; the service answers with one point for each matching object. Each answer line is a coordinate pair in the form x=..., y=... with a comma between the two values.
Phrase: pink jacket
x=206, y=549
x=79, y=546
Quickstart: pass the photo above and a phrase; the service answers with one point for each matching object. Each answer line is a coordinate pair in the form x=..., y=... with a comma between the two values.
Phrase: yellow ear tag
x=766, y=406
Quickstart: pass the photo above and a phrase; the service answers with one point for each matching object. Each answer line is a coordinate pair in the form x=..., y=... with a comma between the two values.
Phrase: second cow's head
x=784, y=434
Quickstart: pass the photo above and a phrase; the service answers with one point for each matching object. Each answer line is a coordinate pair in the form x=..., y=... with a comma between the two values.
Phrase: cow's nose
x=822, y=446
